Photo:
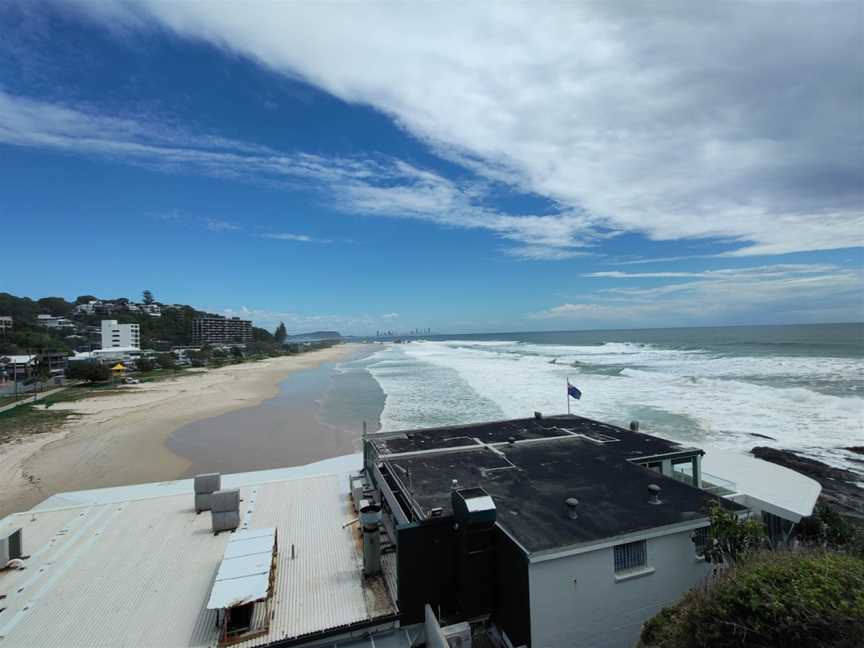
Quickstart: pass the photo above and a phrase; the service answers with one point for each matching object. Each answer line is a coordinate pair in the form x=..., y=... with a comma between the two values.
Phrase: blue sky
x=464, y=169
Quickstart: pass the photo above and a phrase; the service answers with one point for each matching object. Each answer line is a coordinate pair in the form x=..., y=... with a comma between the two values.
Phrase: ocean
x=802, y=387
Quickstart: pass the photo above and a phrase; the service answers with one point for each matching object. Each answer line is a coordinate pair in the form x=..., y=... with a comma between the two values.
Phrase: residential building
x=216, y=330
x=153, y=310
x=53, y=322
x=120, y=335
x=6, y=324
x=88, y=308
x=547, y=532
x=17, y=368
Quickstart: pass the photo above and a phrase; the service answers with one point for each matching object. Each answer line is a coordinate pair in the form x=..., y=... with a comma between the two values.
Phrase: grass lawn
x=24, y=420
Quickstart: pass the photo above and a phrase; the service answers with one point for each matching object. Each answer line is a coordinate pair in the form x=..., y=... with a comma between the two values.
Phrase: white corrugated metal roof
x=139, y=572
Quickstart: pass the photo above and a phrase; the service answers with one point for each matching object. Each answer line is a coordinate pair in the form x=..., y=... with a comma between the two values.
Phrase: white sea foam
x=689, y=395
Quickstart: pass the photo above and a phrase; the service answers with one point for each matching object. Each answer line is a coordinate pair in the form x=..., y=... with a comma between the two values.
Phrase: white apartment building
x=120, y=335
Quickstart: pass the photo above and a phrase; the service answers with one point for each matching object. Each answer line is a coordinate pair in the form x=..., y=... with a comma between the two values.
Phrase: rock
x=839, y=486
x=761, y=436
x=856, y=449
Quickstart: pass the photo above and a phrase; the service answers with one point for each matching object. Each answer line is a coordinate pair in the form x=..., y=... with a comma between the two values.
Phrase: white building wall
x=577, y=602
x=120, y=335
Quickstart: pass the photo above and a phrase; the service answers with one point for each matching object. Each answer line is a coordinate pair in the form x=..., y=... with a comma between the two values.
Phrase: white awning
x=244, y=573
x=762, y=485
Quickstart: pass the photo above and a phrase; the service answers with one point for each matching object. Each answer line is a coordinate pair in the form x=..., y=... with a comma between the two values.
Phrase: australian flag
x=573, y=391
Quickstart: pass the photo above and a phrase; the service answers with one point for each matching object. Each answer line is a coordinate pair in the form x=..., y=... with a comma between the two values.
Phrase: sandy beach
x=121, y=439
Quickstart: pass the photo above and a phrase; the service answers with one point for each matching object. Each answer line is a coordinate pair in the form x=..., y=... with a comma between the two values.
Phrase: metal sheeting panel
x=238, y=591
x=249, y=546
x=244, y=574
x=139, y=572
x=322, y=587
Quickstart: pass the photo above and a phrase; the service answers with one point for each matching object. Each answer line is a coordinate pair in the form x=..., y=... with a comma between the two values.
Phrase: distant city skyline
x=453, y=168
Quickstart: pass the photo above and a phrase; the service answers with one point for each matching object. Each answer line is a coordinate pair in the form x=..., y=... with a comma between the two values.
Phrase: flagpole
x=567, y=395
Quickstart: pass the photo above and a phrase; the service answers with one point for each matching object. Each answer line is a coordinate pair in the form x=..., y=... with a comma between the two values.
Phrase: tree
x=84, y=299
x=166, y=361
x=92, y=372
x=147, y=296
x=237, y=353
x=144, y=365
x=730, y=538
x=281, y=334
x=56, y=306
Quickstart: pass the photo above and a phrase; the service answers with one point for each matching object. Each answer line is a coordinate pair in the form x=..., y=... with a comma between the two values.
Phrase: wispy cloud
x=377, y=186
x=296, y=322
x=777, y=270
x=299, y=238
x=219, y=225
x=671, y=124
x=826, y=290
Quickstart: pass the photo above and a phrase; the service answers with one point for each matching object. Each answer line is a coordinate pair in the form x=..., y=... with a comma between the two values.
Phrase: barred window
x=700, y=539
x=630, y=556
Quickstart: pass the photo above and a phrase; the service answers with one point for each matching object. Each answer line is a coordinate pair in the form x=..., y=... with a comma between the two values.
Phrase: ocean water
x=803, y=386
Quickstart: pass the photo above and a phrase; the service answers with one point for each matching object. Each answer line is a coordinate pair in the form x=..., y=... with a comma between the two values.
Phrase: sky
x=462, y=167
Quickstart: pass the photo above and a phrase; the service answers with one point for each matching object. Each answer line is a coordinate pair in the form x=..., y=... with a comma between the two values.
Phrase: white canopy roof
x=766, y=486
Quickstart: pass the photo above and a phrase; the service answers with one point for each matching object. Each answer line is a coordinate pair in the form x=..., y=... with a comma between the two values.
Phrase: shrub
x=90, y=371
x=731, y=538
x=166, y=361
x=827, y=527
x=813, y=599
x=144, y=365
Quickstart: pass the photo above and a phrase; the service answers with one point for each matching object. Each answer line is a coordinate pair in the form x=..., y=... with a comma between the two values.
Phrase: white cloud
x=219, y=225
x=381, y=186
x=300, y=238
x=710, y=120
x=295, y=323
x=821, y=292
x=777, y=270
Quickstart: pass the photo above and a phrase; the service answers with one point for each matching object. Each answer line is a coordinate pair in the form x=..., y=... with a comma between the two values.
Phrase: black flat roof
x=626, y=443
x=551, y=460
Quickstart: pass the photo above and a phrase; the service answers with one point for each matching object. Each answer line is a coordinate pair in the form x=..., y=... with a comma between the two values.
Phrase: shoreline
x=122, y=439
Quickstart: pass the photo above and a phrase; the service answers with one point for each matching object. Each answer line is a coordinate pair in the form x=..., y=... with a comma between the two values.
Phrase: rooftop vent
x=634, y=426
x=11, y=547
x=225, y=510
x=572, y=506
x=370, y=519
x=654, y=494
x=205, y=485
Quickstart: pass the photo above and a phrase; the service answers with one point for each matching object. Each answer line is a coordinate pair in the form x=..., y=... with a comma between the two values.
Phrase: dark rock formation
x=839, y=486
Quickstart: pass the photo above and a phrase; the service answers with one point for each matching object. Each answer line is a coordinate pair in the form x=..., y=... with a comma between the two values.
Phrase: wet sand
x=318, y=414
x=121, y=439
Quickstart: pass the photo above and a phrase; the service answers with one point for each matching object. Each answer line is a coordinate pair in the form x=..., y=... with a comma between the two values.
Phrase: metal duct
x=370, y=520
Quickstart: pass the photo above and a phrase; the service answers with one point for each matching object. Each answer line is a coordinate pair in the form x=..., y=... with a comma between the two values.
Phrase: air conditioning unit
x=10, y=546
x=458, y=635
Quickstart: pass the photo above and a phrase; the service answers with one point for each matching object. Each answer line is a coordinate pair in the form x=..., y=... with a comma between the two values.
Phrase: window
x=632, y=555
x=683, y=470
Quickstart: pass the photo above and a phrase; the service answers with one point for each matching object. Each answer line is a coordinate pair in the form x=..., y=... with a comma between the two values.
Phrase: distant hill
x=314, y=336
x=172, y=328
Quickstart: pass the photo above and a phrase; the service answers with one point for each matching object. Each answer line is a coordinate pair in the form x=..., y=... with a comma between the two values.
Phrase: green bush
x=90, y=371
x=812, y=599
x=144, y=365
x=827, y=527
